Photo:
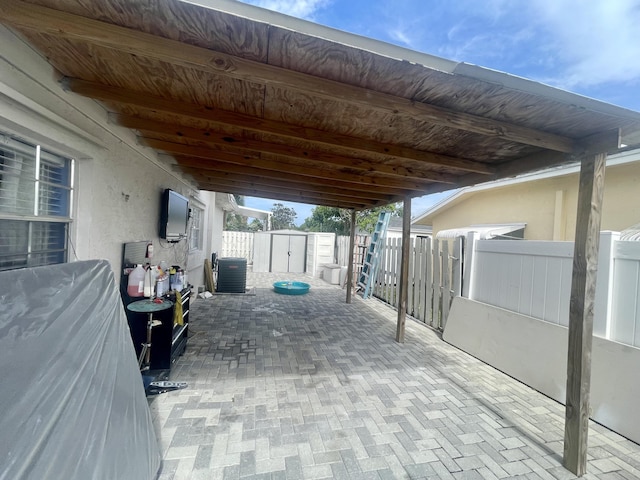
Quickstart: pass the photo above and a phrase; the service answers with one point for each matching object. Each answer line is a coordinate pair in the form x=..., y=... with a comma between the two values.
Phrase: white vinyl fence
x=534, y=278
x=237, y=244
x=528, y=277
x=624, y=326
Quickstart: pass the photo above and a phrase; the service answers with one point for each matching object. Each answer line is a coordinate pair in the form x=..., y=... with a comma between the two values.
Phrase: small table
x=149, y=307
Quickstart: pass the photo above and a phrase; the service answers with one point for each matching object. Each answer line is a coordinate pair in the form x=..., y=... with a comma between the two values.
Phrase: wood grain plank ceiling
x=246, y=101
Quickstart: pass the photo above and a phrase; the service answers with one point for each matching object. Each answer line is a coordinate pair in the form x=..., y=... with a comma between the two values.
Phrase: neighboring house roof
x=486, y=231
x=253, y=212
x=631, y=234
x=395, y=225
x=464, y=193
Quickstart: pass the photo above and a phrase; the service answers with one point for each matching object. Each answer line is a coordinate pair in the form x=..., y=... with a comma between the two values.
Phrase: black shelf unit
x=168, y=341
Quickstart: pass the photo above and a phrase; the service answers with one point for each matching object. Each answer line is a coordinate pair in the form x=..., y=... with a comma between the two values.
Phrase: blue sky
x=588, y=47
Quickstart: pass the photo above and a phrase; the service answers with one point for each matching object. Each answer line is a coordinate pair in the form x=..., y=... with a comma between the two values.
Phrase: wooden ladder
x=371, y=262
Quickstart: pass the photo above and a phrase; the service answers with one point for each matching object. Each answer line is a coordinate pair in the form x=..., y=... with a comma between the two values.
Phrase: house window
x=36, y=193
x=195, y=239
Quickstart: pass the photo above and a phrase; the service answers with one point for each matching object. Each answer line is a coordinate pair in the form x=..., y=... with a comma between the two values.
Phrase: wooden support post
x=404, y=270
x=352, y=243
x=583, y=286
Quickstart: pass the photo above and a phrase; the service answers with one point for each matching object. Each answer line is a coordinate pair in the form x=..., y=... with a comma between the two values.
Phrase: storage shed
x=292, y=251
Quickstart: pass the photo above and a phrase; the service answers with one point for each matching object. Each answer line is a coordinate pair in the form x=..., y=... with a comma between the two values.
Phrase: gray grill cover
x=72, y=398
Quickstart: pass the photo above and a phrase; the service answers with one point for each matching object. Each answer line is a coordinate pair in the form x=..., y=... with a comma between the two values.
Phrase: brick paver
x=308, y=387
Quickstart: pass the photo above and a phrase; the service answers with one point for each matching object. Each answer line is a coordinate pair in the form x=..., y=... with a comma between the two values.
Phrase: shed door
x=288, y=253
x=297, y=259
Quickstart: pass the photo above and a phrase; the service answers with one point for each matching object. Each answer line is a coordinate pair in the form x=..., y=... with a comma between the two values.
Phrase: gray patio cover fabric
x=73, y=402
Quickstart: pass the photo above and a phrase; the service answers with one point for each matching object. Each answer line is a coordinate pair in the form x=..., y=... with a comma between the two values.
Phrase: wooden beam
x=326, y=200
x=530, y=163
x=404, y=270
x=404, y=168
x=352, y=243
x=583, y=287
x=78, y=28
x=238, y=170
x=277, y=164
x=107, y=93
x=270, y=184
x=607, y=141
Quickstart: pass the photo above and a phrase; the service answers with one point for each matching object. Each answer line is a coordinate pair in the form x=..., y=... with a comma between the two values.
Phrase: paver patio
x=308, y=387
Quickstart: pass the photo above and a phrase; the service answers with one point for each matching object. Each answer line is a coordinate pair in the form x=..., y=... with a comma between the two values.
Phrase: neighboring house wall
x=118, y=183
x=548, y=206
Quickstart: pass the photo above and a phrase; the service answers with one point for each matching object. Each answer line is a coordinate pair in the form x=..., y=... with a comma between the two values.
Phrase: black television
x=174, y=216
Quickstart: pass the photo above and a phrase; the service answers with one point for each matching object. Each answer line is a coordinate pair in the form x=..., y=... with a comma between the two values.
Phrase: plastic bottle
x=135, y=284
x=172, y=278
x=162, y=283
x=150, y=281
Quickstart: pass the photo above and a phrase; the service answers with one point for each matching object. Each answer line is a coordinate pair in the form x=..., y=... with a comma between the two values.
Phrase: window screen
x=35, y=205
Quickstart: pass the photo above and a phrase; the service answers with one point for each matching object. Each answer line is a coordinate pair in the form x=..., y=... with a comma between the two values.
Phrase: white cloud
x=599, y=42
x=296, y=8
x=401, y=35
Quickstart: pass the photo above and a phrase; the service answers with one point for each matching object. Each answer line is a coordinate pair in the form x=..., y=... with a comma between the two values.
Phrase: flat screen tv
x=174, y=216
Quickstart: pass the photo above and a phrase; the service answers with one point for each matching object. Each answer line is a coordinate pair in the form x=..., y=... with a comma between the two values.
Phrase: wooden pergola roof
x=251, y=102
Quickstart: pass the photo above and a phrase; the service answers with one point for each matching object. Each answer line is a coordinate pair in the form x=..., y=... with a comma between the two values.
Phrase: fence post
x=456, y=261
x=428, y=282
x=446, y=283
x=604, y=284
x=411, y=276
x=468, y=265
x=437, y=263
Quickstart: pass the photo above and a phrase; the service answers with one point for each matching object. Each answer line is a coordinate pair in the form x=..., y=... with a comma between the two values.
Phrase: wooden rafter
x=288, y=196
x=408, y=168
x=292, y=178
x=277, y=165
x=276, y=186
x=608, y=141
x=109, y=93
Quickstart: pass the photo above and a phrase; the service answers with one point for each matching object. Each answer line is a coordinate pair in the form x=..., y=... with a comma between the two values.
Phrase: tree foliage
x=328, y=219
x=337, y=220
x=240, y=223
x=366, y=219
x=256, y=225
x=236, y=223
x=283, y=217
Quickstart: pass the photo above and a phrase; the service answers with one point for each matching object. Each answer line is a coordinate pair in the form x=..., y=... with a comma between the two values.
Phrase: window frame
x=196, y=227
x=25, y=163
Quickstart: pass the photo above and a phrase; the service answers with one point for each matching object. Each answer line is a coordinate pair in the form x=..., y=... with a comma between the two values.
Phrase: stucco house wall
x=118, y=183
x=547, y=205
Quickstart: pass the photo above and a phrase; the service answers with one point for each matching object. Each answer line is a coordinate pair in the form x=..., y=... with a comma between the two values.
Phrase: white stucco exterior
x=118, y=183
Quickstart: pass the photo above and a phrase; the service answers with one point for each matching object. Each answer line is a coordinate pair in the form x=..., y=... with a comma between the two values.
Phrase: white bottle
x=135, y=284
x=150, y=282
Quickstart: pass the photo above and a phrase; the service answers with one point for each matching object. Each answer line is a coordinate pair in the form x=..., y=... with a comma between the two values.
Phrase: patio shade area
x=252, y=102
x=309, y=387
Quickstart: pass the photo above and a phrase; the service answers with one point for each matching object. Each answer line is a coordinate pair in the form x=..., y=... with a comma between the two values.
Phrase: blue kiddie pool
x=291, y=288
